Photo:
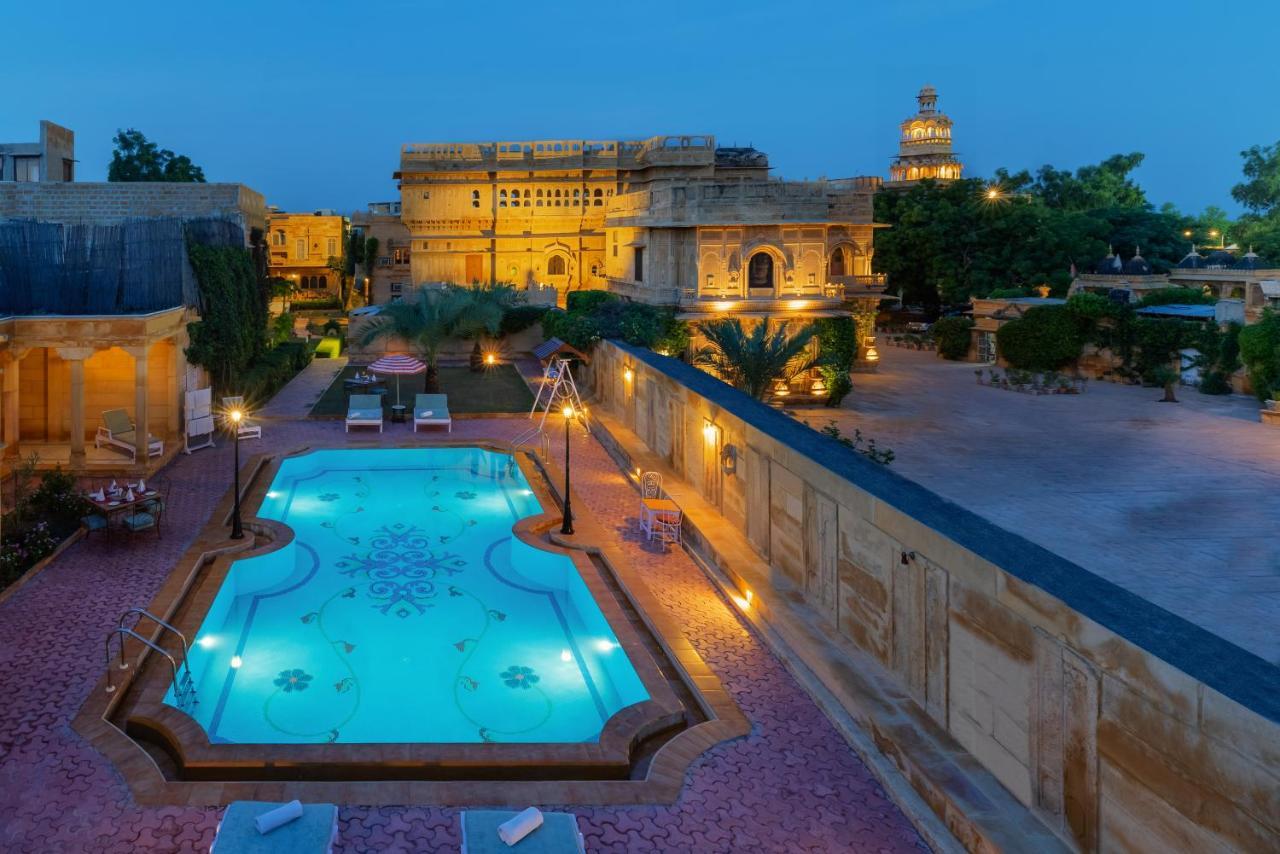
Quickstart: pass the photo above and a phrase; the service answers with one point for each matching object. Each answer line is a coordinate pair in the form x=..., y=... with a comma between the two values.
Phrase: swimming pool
x=405, y=610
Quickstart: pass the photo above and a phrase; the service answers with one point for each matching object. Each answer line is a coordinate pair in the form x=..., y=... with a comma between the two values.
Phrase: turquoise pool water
x=406, y=611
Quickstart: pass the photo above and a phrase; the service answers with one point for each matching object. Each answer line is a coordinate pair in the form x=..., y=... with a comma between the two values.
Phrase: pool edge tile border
x=664, y=776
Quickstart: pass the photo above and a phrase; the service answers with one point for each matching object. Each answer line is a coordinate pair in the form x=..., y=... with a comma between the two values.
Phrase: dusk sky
x=309, y=103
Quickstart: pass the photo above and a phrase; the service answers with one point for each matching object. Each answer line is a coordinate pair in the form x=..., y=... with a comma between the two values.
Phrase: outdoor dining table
x=116, y=504
x=655, y=507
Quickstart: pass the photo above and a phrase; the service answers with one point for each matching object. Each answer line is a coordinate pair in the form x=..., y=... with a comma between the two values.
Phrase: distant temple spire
x=924, y=147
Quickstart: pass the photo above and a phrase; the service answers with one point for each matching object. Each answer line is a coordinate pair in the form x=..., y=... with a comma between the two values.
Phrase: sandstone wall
x=1121, y=726
x=104, y=202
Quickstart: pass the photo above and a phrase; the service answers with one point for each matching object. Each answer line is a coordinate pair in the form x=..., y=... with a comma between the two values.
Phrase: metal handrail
x=121, y=630
x=153, y=618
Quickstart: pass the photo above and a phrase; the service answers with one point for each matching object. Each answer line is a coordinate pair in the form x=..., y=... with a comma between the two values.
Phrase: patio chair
x=364, y=410
x=558, y=834
x=118, y=431
x=144, y=517
x=247, y=430
x=157, y=503
x=94, y=522
x=651, y=485
x=315, y=832
x=429, y=409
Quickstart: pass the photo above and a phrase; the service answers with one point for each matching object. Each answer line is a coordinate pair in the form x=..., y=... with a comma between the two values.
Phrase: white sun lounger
x=117, y=431
x=429, y=409
x=314, y=833
x=364, y=410
x=558, y=834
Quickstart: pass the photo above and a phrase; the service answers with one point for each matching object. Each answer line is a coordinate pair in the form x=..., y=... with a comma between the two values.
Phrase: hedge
x=1046, y=338
x=272, y=370
x=952, y=335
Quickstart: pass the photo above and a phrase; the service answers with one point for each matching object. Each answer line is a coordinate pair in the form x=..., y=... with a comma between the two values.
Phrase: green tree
x=1044, y=339
x=1261, y=192
x=1260, y=352
x=136, y=158
x=952, y=335
x=753, y=360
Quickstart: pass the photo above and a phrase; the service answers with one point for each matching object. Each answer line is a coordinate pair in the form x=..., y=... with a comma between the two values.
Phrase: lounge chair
x=364, y=410
x=316, y=831
x=558, y=834
x=431, y=409
x=247, y=430
x=117, y=430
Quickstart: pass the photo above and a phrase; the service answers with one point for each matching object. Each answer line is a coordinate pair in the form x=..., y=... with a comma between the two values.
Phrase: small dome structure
x=1250, y=261
x=1220, y=259
x=1137, y=265
x=1109, y=266
x=1193, y=260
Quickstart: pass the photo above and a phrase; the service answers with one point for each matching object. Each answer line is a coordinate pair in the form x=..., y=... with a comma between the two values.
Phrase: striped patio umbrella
x=397, y=365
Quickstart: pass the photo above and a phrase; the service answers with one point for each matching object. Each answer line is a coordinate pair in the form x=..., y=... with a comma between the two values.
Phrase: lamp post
x=567, y=527
x=237, y=530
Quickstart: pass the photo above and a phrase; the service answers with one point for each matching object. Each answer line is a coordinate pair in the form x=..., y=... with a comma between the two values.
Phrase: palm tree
x=484, y=316
x=434, y=315
x=753, y=360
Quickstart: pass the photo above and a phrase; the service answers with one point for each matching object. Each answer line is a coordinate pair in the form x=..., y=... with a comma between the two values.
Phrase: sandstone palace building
x=669, y=220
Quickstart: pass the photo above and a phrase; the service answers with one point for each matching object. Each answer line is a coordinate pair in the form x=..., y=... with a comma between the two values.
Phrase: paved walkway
x=791, y=785
x=1178, y=503
x=301, y=393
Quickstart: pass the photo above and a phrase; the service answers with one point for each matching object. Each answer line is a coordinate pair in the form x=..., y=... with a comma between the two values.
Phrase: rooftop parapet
x=557, y=153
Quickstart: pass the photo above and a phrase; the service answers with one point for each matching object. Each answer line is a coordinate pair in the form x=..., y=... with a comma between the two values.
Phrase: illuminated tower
x=924, y=149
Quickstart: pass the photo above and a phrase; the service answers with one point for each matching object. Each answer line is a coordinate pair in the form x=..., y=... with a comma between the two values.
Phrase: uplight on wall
x=708, y=431
x=628, y=374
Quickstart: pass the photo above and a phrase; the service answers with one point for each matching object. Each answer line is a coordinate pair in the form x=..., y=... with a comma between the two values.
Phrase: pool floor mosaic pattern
x=405, y=611
x=791, y=785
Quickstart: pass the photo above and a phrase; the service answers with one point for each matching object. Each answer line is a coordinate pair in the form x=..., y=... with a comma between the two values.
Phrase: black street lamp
x=567, y=527
x=237, y=530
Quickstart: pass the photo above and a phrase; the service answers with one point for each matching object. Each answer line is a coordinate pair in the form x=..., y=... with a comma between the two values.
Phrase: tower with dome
x=924, y=147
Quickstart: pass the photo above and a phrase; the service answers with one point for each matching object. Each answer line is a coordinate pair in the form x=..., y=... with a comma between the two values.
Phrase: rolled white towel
x=281, y=815
x=520, y=825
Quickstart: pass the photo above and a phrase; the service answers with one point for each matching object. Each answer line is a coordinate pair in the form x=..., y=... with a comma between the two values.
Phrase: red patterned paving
x=791, y=785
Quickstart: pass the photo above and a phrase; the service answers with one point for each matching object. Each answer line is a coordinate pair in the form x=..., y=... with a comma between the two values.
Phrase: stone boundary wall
x=1120, y=725
x=107, y=202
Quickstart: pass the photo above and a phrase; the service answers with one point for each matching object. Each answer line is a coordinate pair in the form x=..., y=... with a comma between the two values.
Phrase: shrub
x=837, y=350
x=325, y=304
x=1008, y=293
x=575, y=329
x=1260, y=352
x=272, y=370
x=518, y=318
x=1176, y=296
x=952, y=335
x=588, y=301
x=1045, y=338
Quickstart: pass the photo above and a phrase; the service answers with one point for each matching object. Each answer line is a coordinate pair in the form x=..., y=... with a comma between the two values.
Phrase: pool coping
x=394, y=773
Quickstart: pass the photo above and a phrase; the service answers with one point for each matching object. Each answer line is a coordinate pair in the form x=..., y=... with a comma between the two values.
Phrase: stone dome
x=1250, y=261
x=1137, y=266
x=1220, y=259
x=1109, y=266
x=1193, y=260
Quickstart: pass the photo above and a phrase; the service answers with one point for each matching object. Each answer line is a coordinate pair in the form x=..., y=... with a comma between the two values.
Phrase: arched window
x=539, y=194
x=555, y=266
x=599, y=196
x=278, y=237
x=760, y=271
x=837, y=266
x=475, y=198
x=322, y=282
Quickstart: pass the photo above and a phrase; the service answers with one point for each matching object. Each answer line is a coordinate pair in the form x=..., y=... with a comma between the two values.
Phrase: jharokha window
x=555, y=266
x=760, y=271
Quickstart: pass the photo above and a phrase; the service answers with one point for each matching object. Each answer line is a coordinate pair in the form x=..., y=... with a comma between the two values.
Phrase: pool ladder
x=184, y=687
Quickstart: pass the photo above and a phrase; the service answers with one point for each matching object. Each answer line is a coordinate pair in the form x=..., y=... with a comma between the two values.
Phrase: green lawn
x=498, y=389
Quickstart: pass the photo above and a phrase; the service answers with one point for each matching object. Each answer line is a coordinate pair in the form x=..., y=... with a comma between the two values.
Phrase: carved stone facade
x=302, y=246
x=673, y=220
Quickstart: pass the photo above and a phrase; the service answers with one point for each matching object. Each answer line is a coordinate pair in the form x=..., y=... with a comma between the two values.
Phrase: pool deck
x=793, y=784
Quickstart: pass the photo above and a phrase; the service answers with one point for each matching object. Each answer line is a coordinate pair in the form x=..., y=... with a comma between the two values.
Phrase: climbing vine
x=230, y=334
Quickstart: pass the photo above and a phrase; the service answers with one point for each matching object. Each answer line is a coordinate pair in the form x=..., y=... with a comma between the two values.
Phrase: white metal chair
x=247, y=430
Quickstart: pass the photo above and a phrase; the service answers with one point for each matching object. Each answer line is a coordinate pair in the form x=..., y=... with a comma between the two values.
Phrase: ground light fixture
x=490, y=359
x=567, y=526
x=237, y=529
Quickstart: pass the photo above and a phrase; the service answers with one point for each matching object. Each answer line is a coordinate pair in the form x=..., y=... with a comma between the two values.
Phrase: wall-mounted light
x=872, y=354
x=781, y=389
x=729, y=459
x=818, y=386
x=627, y=374
x=708, y=431
x=907, y=557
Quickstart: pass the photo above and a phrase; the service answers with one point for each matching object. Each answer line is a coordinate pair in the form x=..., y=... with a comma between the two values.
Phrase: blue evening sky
x=309, y=102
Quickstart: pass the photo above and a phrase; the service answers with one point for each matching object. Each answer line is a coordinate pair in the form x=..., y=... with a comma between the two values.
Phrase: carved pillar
x=74, y=357
x=176, y=365
x=140, y=411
